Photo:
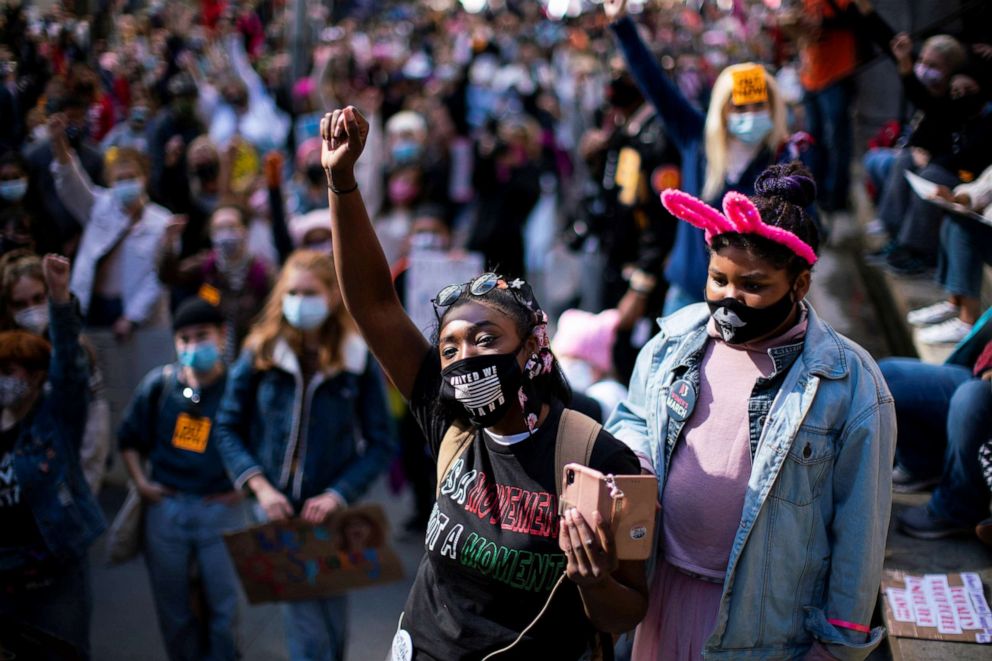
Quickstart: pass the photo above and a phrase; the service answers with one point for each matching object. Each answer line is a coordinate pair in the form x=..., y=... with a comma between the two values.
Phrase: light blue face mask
x=304, y=312
x=201, y=357
x=750, y=127
x=13, y=190
x=406, y=151
x=127, y=191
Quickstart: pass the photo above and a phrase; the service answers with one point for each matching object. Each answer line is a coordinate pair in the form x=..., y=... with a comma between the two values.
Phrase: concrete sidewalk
x=125, y=628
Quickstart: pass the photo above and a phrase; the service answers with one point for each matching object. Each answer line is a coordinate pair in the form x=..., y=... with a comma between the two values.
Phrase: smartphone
x=626, y=502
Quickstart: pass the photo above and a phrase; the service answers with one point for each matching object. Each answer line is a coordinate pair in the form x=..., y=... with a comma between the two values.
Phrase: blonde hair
x=270, y=326
x=950, y=49
x=716, y=126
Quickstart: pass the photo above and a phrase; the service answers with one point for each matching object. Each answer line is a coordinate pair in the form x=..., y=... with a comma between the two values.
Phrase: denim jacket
x=811, y=538
x=261, y=413
x=46, y=454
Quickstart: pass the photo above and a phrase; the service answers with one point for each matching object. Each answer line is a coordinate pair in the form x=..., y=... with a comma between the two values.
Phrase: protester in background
x=298, y=399
x=13, y=181
x=723, y=151
x=632, y=161
x=825, y=32
x=965, y=249
x=114, y=275
x=507, y=182
x=24, y=306
x=189, y=499
x=237, y=281
x=763, y=426
x=489, y=324
x=58, y=227
x=943, y=413
x=50, y=517
x=583, y=344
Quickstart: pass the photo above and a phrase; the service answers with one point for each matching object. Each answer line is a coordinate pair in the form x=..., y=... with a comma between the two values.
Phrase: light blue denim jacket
x=812, y=532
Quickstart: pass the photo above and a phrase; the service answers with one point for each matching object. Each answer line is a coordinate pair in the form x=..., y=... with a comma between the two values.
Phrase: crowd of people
x=254, y=198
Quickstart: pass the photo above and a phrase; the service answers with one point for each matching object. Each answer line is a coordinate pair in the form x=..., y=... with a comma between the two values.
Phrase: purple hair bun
x=792, y=183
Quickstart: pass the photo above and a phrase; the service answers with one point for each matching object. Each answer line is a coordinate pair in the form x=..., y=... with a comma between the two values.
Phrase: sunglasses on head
x=480, y=286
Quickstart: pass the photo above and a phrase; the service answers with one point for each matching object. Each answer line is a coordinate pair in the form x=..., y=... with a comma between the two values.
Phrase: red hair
x=28, y=350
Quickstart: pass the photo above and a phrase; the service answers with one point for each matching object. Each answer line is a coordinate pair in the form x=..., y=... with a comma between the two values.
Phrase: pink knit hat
x=587, y=336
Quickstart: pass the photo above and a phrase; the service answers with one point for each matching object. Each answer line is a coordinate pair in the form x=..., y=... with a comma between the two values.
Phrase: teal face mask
x=304, y=312
x=127, y=191
x=201, y=358
x=750, y=127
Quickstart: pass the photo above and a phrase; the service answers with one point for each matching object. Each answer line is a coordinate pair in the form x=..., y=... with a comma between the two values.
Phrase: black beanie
x=195, y=311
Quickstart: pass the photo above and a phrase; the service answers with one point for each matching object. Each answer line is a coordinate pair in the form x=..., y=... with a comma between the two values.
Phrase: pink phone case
x=626, y=502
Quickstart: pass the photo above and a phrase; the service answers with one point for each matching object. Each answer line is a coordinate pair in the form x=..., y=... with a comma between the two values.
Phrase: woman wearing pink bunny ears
x=772, y=437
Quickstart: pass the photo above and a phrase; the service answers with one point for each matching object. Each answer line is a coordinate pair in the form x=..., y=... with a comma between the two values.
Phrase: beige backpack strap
x=576, y=437
x=453, y=444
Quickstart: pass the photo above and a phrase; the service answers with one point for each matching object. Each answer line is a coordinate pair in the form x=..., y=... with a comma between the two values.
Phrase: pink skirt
x=681, y=616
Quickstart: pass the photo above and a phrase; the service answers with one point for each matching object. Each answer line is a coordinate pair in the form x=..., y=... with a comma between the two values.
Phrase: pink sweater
x=711, y=465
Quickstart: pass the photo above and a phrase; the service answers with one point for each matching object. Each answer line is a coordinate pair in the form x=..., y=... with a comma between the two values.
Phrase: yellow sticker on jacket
x=749, y=85
x=628, y=177
x=210, y=294
x=191, y=433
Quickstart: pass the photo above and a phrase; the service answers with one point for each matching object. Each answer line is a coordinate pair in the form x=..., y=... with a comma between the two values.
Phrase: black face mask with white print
x=484, y=385
x=739, y=323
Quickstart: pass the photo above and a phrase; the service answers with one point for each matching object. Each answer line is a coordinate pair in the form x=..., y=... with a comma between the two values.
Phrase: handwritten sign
x=949, y=607
x=295, y=560
x=431, y=271
x=750, y=85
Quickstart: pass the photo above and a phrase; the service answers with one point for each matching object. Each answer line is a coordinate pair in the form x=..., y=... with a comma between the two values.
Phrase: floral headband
x=739, y=216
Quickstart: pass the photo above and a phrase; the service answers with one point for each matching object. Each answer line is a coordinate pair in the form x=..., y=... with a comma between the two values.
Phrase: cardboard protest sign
x=295, y=560
x=429, y=272
x=749, y=85
x=949, y=607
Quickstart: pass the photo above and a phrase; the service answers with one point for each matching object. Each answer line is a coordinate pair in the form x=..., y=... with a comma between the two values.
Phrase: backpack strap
x=577, y=434
x=453, y=445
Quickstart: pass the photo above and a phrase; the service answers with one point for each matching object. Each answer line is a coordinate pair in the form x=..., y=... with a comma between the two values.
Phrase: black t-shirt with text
x=492, y=554
x=16, y=518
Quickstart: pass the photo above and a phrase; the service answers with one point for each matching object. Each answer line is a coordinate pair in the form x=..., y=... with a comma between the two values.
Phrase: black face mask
x=739, y=323
x=485, y=385
x=968, y=106
x=315, y=174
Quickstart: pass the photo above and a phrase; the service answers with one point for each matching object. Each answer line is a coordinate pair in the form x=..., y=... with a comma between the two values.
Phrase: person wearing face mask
x=772, y=438
x=632, y=160
x=114, y=275
x=934, y=150
x=24, y=306
x=130, y=133
x=306, y=189
x=13, y=181
x=189, y=500
x=743, y=132
x=489, y=380
x=172, y=130
x=299, y=397
x=48, y=514
x=58, y=228
x=236, y=279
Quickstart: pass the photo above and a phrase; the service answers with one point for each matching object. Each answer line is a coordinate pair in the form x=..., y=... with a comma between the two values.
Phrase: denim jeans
x=965, y=247
x=179, y=530
x=878, y=163
x=913, y=222
x=316, y=630
x=62, y=608
x=944, y=415
x=828, y=118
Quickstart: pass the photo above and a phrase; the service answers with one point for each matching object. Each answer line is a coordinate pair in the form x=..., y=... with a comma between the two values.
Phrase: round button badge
x=681, y=400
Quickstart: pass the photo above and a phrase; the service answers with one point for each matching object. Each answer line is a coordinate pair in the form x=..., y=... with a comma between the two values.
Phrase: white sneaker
x=932, y=314
x=951, y=331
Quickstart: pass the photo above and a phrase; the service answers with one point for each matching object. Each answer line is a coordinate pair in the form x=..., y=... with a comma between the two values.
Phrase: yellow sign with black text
x=191, y=433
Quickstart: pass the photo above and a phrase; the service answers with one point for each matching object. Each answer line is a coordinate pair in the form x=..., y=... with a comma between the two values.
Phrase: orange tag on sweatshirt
x=191, y=433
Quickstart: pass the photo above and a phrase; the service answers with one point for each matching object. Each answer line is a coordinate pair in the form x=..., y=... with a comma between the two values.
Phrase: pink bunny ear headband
x=739, y=215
